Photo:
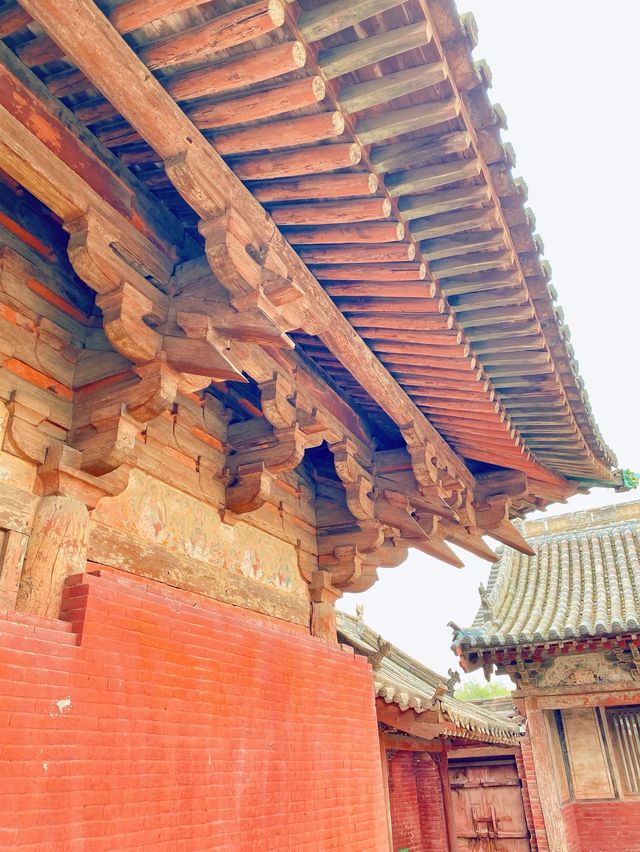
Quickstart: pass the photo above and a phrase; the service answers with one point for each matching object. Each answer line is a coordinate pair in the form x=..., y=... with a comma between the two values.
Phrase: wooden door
x=487, y=805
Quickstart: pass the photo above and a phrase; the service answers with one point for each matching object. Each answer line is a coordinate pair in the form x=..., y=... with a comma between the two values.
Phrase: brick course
x=603, y=826
x=417, y=811
x=149, y=718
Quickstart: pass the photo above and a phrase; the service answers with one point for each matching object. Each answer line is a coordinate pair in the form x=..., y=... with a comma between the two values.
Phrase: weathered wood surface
x=57, y=547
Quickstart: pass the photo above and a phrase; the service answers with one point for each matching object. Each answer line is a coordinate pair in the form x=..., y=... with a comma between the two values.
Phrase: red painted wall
x=417, y=811
x=603, y=826
x=155, y=719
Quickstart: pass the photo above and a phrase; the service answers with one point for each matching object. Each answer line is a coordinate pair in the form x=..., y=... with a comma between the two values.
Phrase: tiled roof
x=584, y=581
x=404, y=681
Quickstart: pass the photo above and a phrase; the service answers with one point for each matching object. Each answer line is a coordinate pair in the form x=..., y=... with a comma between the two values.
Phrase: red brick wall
x=403, y=798
x=430, y=806
x=417, y=811
x=603, y=826
x=153, y=719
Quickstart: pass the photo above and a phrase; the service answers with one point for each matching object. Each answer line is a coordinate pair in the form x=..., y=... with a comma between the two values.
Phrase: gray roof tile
x=584, y=581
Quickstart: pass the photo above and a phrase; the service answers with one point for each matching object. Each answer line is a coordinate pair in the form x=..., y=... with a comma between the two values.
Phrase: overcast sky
x=567, y=77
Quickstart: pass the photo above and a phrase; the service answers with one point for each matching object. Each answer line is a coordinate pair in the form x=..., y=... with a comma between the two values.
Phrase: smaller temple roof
x=399, y=679
x=584, y=581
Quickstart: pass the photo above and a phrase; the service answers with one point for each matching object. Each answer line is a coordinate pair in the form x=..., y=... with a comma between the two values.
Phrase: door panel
x=487, y=802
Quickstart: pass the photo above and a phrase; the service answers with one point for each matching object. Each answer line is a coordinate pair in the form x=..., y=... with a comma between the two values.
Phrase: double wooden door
x=487, y=804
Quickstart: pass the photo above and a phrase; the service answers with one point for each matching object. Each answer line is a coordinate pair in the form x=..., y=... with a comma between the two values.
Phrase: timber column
x=544, y=776
x=57, y=547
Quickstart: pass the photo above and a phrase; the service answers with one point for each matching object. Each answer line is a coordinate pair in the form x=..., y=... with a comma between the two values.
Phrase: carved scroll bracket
x=245, y=251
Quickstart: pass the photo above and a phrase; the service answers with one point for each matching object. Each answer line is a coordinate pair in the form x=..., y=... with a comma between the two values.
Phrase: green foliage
x=472, y=689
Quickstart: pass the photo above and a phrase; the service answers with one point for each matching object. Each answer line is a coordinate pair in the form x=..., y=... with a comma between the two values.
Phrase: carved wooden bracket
x=245, y=251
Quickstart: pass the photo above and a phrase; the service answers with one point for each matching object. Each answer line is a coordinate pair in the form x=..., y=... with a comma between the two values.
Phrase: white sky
x=567, y=77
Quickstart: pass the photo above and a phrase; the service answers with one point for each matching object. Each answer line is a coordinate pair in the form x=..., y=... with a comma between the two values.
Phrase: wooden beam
x=475, y=262
x=429, y=322
x=330, y=18
x=390, y=306
x=305, y=188
x=336, y=61
x=444, y=201
x=431, y=177
x=480, y=283
x=457, y=534
x=418, y=152
x=308, y=161
x=381, y=90
x=462, y=244
x=425, y=725
x=392, y=293
x=409, y=271
x=385, y=253
x=211, y=189
x=396, y=122
x=13, y=18
x=200, y=42
x=365, y=233
x=304, y=130
x=326, y=213
x=133, y=14
x=400, y=742
x=258, y=105
x=451, y=223
x=238, y=72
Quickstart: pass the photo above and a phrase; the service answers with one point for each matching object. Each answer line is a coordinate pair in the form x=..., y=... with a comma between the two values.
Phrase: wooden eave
x=455, y=359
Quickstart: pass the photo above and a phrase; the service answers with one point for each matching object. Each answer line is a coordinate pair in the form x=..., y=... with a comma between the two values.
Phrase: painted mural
x=152, y=511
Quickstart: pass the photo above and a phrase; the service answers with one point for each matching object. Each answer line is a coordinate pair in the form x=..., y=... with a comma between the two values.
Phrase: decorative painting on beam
x=152, y=511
